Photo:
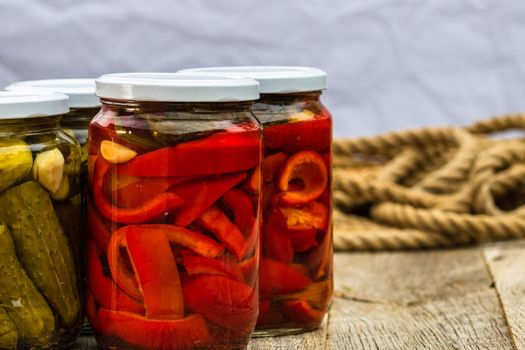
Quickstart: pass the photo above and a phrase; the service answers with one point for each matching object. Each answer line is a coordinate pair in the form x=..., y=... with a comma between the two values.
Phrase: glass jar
x=173, y=212
x=40, y=291
x=296, y=278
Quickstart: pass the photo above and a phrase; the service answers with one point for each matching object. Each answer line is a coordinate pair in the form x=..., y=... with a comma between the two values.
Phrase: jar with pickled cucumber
x=296, y=283
x=40, y=294
x=174, y=212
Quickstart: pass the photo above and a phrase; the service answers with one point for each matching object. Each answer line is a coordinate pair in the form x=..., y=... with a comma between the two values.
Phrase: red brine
x=172, y=228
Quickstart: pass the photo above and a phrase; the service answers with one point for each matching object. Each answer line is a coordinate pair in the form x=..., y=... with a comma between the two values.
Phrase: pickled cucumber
x=70, y=217
x=8, y=332
x=16, y=161
x=26, y=307
x=42, y=247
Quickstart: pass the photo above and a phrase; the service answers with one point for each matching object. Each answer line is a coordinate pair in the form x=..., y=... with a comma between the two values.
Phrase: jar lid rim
x=15, y=105
x=81, y=91
x=176, y=87
x=273, y=79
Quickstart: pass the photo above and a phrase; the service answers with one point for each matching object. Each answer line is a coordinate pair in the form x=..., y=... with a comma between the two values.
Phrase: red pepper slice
x=276, y=243
x=187, y=333
x=272, y=164
x=124, y=275
x=278, y=278
x=148, y=211
x=154, y=272
x=143, y=190
x=99, y=231
x=313, y=134
x=224, y=152
x=217, y=222
x=320, y=259
x=300, y=311
x=253, y=184
x=106, y=293
x=199, y=195
x=303, y=238
x=221, y=300
x=307, y=170
x=91, y=312
x=303, y=224
x=240, y=206
x=157, y=273
x=199, y=265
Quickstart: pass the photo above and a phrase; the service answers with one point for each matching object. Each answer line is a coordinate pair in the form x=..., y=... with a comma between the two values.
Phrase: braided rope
x=430, y=187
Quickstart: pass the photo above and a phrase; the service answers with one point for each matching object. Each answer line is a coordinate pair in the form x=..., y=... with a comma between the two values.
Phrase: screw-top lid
x=81, y=92
x=274, y=79
x=176, y=87
x=31, y=104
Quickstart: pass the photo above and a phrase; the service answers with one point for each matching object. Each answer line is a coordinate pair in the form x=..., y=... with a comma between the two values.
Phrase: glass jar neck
x=307, y=97
x=29, y=126
x=139, y=107
x=279, y=108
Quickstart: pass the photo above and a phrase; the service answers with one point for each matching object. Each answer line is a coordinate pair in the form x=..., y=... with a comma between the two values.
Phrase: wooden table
x=467, y=298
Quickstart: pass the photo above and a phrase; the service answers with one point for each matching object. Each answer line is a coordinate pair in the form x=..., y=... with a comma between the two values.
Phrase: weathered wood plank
x=315, y=340
x=416, y=300
x=506, y=261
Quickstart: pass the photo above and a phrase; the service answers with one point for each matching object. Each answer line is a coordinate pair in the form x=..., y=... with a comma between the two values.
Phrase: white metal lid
x=17, y=104
x=274, y=79
x=81, y=92
x=176, y=87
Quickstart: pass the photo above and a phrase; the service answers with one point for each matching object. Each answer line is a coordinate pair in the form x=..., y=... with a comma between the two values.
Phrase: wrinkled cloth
x=392, y=64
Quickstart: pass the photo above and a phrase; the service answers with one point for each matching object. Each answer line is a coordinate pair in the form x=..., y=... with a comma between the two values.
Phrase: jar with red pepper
x=296, y=282
x=173, y=245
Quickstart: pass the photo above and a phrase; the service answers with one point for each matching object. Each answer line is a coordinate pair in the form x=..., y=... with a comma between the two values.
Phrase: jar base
x=277, y=332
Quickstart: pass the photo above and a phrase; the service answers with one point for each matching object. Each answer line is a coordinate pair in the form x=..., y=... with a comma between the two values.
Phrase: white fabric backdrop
x=392, y=64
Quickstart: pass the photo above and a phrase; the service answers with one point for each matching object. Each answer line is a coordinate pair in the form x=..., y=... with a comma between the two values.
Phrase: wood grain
x=507, y=265
x=416, y=300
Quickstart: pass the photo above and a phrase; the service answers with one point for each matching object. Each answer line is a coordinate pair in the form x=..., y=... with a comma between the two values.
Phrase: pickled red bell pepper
x=308, y=172
x=91, y=312
x=300, y=311
x=106, y=293
x=221, y=300
x=199, y=195
x=214, y=220
x=199, y=265
x=253, y=183
x=125, y=276
x=99, y=231
x=149, y=210
x=223, y=152
x=313, y=134
x=154, y=271
x=272, y=164
x=187, y=333
x=276, y=277
x=303, y=224
x=238, y=205
x=249, y=269
x=303, y=238
x=143, y=190
x=276, y=243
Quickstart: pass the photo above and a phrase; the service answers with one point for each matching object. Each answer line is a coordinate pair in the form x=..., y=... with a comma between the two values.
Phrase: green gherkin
x=42, y=247
x=16, y=161
x=27, y=309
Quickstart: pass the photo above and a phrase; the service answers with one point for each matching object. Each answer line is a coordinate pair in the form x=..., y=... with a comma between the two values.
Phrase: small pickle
x=26, y=307
x=15, y=162
x=8, y=332
x=42, y=247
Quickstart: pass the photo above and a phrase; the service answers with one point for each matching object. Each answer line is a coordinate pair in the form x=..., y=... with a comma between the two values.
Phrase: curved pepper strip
x=221, y=300
x=143, y=190
x=276, y=243
x=199, y=265
x=106, y=293
x=272, y=164
x=241, y=208
x=278, y=278
x=303, y=224
x=199, y=195
x=148, y=211
x=313, y=134
x=318, y=294
x=249, y=270
x=222, y=152
x=300, y=311
x=187, y=333
x=307, y=168
x=217, y=222
x=128, y=279
x=98, y=230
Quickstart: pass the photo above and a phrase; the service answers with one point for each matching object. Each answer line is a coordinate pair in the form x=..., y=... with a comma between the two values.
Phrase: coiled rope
x=430, y=187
